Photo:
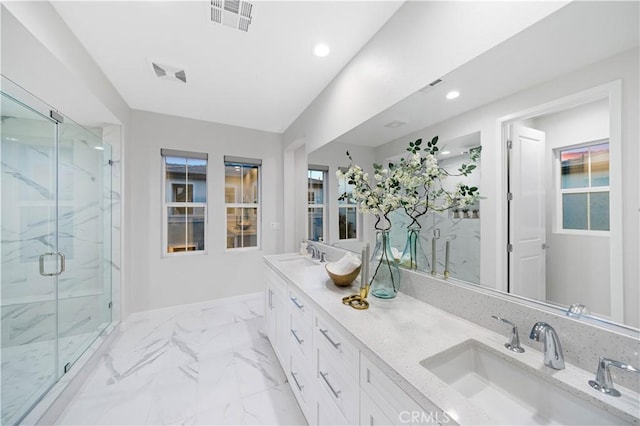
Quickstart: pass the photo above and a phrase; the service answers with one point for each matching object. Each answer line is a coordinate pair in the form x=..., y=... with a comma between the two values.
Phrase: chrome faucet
x=315, y=253
x=514, y=344
x=603, y=381
x=553, y=356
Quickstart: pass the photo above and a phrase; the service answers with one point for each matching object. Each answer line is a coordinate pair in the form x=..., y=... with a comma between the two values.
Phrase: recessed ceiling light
x=445, y=152
x=321, y=50
x=453, y=94
x=99, y=148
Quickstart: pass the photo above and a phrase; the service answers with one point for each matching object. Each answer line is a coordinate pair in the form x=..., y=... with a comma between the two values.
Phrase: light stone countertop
x=397, y=334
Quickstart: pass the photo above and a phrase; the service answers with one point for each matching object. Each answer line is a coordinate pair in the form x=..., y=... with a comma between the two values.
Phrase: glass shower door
x=28, y=296
x=84, y=235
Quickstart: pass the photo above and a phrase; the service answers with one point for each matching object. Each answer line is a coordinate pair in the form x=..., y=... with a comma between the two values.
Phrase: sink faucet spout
x=553, y=356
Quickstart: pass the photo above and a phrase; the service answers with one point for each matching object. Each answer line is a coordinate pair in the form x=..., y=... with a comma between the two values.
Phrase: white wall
x=422, y=42
x=577, y=265
x=623, y=66
x=165, y=281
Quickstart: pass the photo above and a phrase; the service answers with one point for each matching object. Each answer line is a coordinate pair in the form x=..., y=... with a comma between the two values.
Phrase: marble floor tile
x=217, y=382
x=174, y=397
x=214, y=341
x=205, y=364
x=223, y=414
x=258, y=369
x=247, y=334
x=275, y=406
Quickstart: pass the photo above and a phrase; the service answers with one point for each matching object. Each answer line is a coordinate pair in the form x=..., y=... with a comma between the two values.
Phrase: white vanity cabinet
x=300, y=363
x=333, y=382
x=336, y=374
x=276, y=313
x=383, y=402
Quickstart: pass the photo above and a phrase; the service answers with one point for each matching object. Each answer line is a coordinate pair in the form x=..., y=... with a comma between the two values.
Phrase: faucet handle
x=514, y=344
x=603, y=381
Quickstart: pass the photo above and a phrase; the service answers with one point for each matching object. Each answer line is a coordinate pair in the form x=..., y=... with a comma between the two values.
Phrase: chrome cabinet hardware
x=325, y=333
x=293, y=375
x=299, y=340
x=295, y=302
x=324, y=377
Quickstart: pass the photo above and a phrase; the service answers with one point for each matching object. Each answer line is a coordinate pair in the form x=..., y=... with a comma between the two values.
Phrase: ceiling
x=262, y=79
x=575, y=36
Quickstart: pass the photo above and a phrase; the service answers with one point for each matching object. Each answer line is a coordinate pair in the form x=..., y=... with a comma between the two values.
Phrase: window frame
x=345, y=206
x=324, y=206
x=559, y=207
x=164, y=153
x=250, y=162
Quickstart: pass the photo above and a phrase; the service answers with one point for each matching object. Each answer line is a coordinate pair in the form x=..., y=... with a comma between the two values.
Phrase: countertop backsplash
x=582, y=342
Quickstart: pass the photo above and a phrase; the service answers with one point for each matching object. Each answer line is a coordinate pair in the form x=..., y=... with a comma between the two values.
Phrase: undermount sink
x=511, y=392
x=299, y=261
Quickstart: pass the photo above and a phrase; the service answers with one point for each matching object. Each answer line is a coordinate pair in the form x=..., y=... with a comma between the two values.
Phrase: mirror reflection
x=559, y=140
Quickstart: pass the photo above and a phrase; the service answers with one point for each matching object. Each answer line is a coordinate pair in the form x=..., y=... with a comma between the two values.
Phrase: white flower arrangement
x=415, y=184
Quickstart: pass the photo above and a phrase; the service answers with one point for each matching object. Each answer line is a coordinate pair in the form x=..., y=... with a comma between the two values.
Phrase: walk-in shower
x=55, y=297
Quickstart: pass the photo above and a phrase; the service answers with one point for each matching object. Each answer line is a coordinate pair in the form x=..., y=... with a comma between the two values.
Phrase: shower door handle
x=51, y=274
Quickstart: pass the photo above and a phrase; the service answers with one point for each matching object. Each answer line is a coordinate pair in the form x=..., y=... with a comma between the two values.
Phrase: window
x=185, y=201
x=316, y=178
x=347, y=211
x=242, y=202
x=584, y=187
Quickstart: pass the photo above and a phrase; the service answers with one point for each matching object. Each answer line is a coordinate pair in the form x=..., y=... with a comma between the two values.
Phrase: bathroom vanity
x=404, y=361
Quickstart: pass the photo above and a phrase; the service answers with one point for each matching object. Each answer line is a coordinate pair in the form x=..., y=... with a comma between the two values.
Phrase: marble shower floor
x=201, y=364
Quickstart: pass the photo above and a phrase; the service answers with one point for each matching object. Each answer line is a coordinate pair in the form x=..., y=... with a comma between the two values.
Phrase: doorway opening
x=562, y=168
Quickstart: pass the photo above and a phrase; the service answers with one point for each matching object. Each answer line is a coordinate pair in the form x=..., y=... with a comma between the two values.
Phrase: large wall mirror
x=555, y=110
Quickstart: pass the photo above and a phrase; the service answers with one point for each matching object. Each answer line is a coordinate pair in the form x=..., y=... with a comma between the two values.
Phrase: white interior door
x=527, y=232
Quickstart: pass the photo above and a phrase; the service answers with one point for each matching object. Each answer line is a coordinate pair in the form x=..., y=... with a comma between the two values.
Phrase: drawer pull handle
x=293, y=375
x=324, y=377
x=295, y=302
x=326, y=334
x=297, y=338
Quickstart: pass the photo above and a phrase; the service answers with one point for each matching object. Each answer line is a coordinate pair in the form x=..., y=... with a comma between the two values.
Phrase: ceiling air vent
x=426, y=88
x=168, y=72
x=232, y=13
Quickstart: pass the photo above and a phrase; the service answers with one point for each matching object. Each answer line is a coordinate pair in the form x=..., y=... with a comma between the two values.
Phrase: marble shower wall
x=28, y=230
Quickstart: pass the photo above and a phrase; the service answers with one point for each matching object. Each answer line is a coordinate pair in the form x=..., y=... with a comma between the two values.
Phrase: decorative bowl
x=342, y=280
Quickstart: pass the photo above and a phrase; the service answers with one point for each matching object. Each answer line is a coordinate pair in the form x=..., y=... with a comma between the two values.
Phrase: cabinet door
x=371, y=414
x=390, y=401
x=276, y=315
x=269, y=312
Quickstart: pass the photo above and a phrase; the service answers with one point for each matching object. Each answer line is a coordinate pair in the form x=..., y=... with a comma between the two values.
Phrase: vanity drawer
x=298, y=304
x=300, y=334
x=300, y=381
x=326, y=412
x=335, y=345
x=338, y=385
x=390, y=400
